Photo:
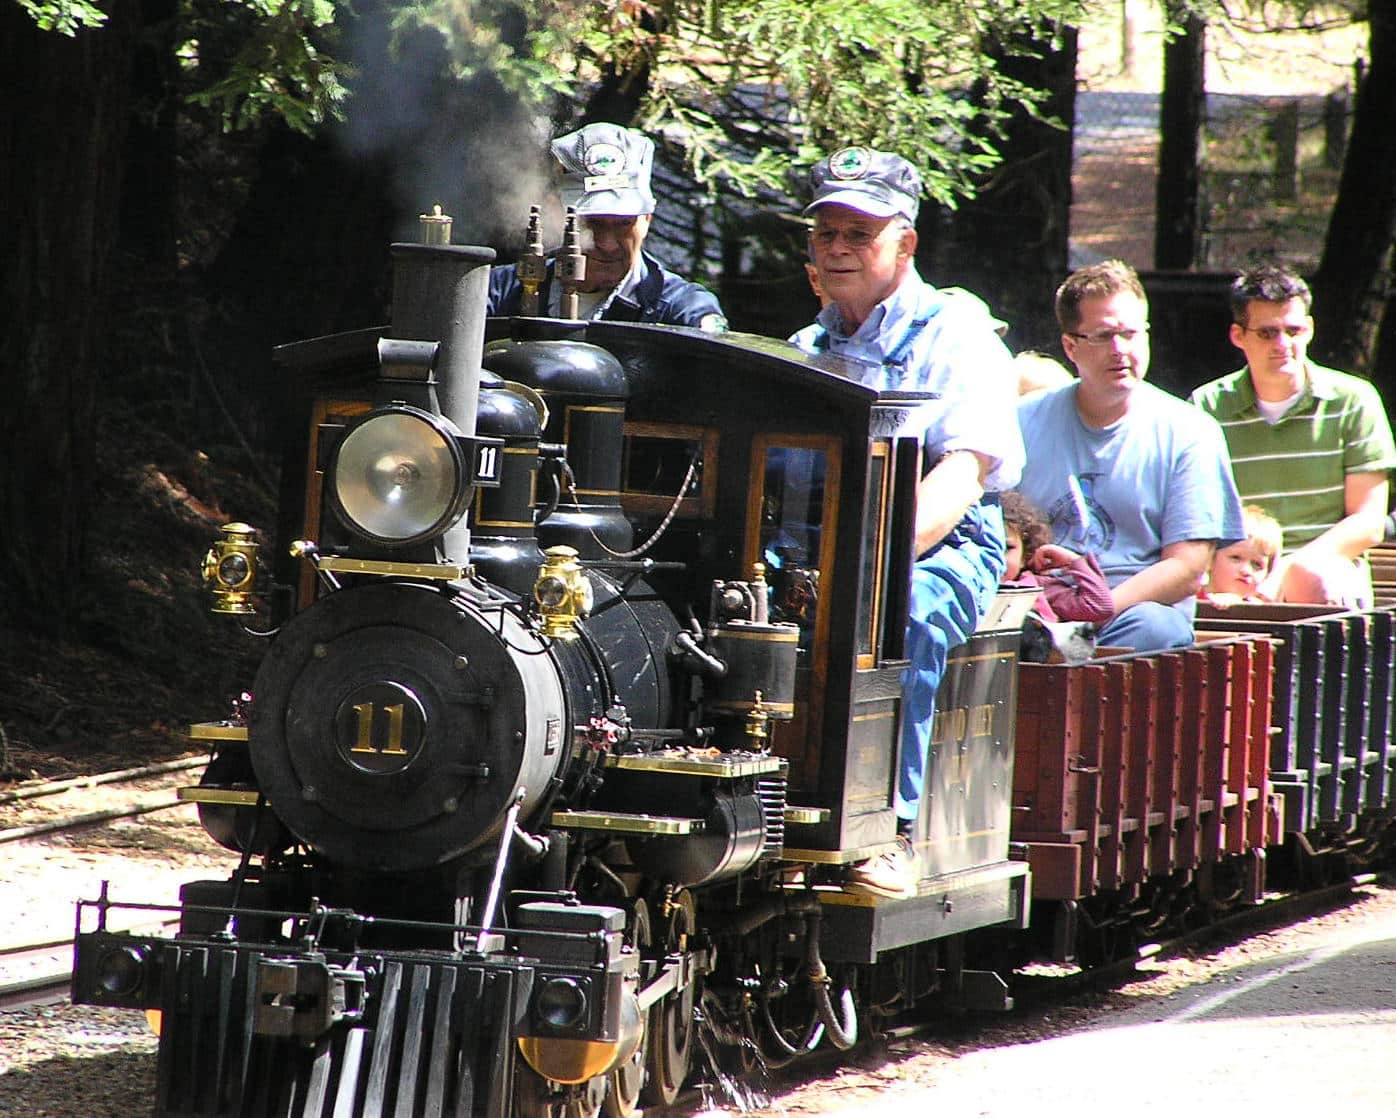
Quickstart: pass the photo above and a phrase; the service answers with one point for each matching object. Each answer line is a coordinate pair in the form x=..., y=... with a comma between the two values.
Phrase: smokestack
x=440, y=294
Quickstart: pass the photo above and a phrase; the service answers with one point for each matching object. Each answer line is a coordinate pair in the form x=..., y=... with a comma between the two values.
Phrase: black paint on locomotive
x=500, y=861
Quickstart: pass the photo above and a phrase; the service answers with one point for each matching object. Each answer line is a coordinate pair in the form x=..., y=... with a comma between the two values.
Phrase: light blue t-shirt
x=942, y=341
x=1160, y=475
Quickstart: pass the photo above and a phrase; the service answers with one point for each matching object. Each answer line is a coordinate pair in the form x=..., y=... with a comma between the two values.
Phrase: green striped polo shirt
x=1295, y=469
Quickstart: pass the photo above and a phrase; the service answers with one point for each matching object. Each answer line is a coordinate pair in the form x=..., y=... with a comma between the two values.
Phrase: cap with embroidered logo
x=606, y=170
x=877, y=183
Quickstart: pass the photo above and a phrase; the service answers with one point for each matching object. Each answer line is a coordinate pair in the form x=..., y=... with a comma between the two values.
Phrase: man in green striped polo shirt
x=1312, y=446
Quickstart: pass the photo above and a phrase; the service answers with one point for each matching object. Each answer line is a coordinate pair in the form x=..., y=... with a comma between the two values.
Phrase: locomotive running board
x=857, y=928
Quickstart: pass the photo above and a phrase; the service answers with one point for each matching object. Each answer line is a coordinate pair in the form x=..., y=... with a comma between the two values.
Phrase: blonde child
x=1238, y=571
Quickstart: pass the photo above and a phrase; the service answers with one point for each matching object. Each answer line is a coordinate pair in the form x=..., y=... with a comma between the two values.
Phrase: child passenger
x=1238, y=570
x=1073, y=586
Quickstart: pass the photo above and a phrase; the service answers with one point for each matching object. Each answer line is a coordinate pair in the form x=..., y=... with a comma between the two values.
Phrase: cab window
x=794, y=524
x=874, y=567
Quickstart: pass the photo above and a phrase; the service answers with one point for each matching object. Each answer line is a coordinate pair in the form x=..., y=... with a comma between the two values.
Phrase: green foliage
x=747, y=88
x=277, y=67
x=751, y=88
x=66, y=17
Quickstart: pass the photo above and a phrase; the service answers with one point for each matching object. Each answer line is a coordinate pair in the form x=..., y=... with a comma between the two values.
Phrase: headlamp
x=562, y=1003
x=562, y=592
x=550, y=591
x=120, y=971
x=230, y=569
x=399, y=476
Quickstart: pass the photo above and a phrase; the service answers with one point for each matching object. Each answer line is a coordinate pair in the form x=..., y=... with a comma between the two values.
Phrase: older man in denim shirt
x=924, y=339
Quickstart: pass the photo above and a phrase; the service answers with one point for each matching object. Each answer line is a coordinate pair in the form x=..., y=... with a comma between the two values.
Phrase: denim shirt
x=944, y=341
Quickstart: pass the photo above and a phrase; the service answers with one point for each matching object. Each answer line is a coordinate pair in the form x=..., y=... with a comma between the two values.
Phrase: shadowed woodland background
x=180, y=196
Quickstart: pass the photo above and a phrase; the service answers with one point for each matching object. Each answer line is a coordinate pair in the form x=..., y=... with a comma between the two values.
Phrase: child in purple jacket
x=1073, y=586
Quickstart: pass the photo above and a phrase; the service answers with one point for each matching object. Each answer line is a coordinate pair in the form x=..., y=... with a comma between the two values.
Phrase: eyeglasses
x=1272, y=333
x=856, y=239
x=1107, y=337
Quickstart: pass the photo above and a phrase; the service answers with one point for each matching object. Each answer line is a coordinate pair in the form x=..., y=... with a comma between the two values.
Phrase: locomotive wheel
x=626, y=1082
x=671, y=1021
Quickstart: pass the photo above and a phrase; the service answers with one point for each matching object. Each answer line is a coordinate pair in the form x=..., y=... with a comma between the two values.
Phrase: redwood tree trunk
x=60, y=137
x=1009, y=243
x=1352, y=284
x=1182, y=112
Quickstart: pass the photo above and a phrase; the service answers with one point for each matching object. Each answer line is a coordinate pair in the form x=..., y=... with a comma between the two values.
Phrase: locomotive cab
x=809, y=471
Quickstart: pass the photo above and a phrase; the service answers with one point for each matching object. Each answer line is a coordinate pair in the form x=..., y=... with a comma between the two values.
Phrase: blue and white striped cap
x=606, y=170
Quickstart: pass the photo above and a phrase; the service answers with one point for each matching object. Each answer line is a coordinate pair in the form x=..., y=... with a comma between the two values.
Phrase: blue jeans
x=1147, y=627
x=952, y=587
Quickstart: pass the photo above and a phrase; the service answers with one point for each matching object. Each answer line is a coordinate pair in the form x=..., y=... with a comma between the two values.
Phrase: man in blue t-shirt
x=1125, y=470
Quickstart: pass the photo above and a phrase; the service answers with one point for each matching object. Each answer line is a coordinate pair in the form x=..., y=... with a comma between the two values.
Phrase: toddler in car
x=1073, y=586
x=1238, y=570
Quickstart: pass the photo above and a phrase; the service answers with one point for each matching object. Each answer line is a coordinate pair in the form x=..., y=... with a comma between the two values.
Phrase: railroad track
x=1033, y=992
x=30, y=791
x=155, y=801
x=40, y=973
x=1289, y=908
x=50, y=962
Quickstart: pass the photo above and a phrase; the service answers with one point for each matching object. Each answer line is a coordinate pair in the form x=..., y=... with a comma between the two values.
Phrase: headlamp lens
x=398, y=477
x=550, y=592
x=233, y=569
x=119, y=971
x=562, y=1003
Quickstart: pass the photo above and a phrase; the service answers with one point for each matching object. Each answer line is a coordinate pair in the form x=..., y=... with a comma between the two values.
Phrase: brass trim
x=801, y=739
x=844, y=857
x=950, y=840
x=743, y=706
x=217, y=731
x=805, y=815
x=704, y=502
x=626, y=824
x=478, y=523
x=446, y=572
x=323, y=411
x=675, y=432
x=985, y=656
x=533, y=396
x=596, y=492
x=876, y=715
x=238, y=797
x=697, y=766
x=879, y=464
x=595, y=407
x=845, y=899
x=746, y=635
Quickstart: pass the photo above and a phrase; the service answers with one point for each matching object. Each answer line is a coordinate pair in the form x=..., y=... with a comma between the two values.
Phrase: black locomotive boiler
x=581, y=686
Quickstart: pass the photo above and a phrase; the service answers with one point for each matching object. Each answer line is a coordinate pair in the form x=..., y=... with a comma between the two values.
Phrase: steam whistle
x=571, y=265
x=532, y=268
x=435, y=227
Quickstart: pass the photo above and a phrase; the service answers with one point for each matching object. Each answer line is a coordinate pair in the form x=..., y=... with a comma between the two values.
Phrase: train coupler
x=303, y=999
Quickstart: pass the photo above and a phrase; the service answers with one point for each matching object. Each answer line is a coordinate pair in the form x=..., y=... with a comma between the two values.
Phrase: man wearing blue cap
x=923, y=339
x=606, y=180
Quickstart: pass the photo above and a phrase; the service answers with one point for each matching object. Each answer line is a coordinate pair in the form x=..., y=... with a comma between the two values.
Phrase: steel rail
x=44, y=989
x=10, y=834
x=54, y=787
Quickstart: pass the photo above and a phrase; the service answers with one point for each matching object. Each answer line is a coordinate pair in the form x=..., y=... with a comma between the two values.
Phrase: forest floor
x=143, y=657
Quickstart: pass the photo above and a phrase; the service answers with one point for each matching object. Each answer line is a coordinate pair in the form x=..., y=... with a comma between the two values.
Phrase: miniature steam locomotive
x=582, y=687
x=584, y=682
